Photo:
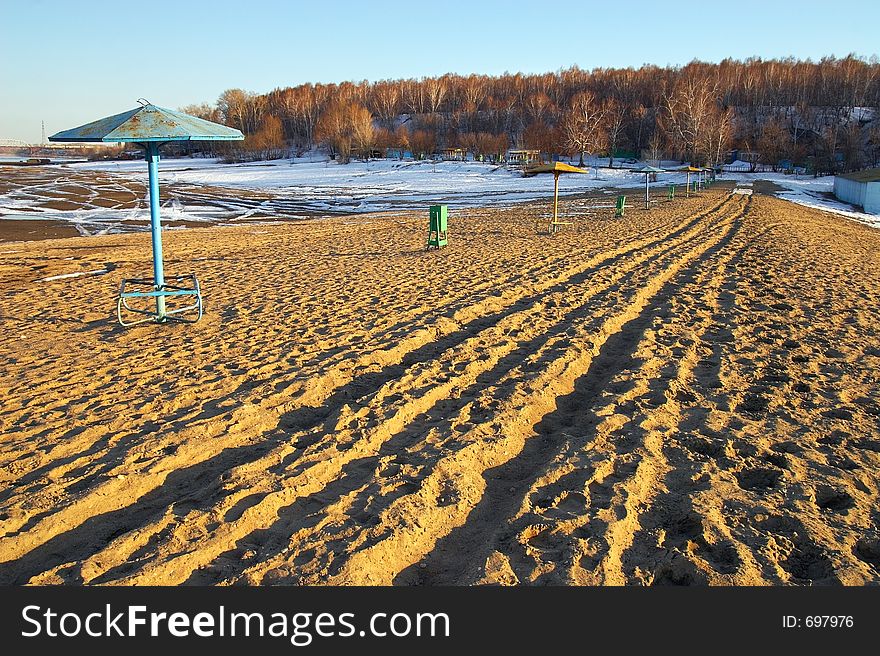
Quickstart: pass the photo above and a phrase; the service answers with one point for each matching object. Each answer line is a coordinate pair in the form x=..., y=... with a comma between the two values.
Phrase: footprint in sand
x=808, y=562
x=868, y=550
x=830, y=498
x=759, y=479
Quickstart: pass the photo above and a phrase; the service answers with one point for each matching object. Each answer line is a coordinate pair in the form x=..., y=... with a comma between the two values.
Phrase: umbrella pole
x=152, y=157
x=555, y=199
x=646, y=190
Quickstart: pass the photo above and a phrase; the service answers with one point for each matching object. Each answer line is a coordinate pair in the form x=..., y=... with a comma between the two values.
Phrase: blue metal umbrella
x=150, y=127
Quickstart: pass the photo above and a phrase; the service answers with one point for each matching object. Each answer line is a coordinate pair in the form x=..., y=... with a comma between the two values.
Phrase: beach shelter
x=149, y=127
x=689, y=170
x=648, y=171
x=557, y=169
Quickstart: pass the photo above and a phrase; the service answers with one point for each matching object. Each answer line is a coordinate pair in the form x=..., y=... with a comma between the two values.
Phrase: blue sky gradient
x=72, y=62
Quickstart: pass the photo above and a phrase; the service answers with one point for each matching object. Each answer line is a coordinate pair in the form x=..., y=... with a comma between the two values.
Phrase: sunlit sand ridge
x=686, y=395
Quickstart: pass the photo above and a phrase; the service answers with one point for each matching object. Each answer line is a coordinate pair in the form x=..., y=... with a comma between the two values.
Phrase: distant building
x=397, y=153
x=737, y=155
x=860, y=188
x=452, y=154
x=523, y=157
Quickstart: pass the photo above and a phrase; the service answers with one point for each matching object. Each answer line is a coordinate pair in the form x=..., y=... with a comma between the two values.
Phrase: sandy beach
x=682, y=396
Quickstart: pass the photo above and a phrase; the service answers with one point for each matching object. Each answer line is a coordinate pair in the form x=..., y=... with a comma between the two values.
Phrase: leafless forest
x=821, y=115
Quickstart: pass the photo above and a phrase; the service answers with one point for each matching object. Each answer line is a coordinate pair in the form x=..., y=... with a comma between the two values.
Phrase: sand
x=682, y=396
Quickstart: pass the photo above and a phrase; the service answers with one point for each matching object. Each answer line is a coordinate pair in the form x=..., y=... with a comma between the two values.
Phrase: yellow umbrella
x=690, y=169
x=556, y=168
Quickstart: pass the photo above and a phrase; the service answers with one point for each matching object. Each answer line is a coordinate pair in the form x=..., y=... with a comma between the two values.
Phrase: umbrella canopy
x=648, y=169
x=689, y=169
x=149, y=127
x=149, y=123
x=556, y=168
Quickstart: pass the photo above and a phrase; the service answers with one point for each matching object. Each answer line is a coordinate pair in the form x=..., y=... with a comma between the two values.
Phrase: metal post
x=555, y=197
x=152, y=157
x=646, y=189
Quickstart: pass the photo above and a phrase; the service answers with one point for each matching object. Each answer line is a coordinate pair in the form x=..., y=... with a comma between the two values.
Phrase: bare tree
x=775, y=143
x=203, y=110
x=851, y=147
x=655, y=147
x=640, y=116
x=401, y=140
x=423, y=143
x=616, y=114
x=826, y=153
x=268, y=141
x=584, y=125
x=690, y=108
x=414, y=96
x=873, y=145
x=717, y=135
x=386, y=103
x=232, y=105
x=361, y=122
x=474, y=90
x=345, y=127
x=485, y=145
x=538, y=108
x=435, y=90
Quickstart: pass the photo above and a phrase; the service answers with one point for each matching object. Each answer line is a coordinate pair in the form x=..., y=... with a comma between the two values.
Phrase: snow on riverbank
x=209, y=190
x=379, y=184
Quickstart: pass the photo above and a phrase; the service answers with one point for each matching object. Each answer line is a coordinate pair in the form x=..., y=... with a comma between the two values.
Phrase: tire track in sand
x=191, y=480
x=311, y=391
x=61, y=460
x=407, y=535
x=542, y=337
x=513, y=456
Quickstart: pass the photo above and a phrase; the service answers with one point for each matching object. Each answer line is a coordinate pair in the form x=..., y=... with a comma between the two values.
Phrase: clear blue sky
x=70, y=62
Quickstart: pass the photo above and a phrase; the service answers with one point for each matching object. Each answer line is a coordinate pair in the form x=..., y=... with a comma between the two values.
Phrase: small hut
x=453, y=154
x=860, y=188
x=522, y=158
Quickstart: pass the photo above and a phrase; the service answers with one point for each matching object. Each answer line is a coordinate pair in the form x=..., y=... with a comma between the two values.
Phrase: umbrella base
x=185, y=289
x=554, y=226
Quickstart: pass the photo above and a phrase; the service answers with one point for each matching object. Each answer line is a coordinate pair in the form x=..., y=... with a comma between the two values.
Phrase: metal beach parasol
x=690, y=169
x=556, y=168
x=149, y=127
x=648, y=170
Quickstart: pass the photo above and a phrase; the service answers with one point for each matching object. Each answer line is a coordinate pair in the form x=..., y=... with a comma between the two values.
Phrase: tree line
x=817, y=113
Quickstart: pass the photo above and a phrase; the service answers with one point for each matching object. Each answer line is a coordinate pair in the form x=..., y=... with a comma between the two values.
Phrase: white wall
x=850, y=191
x=872, y=198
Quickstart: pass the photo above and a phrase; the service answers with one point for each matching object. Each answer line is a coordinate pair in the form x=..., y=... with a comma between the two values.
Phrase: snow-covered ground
x=210, y=190
x=809, y=191
x=379, y=184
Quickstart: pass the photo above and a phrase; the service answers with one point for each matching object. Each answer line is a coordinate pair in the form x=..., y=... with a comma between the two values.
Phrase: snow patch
x=95, y=272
